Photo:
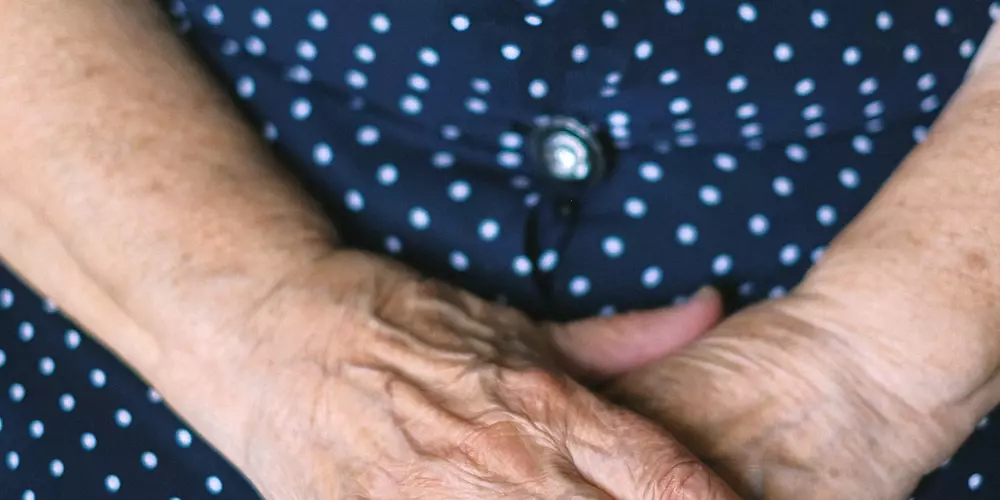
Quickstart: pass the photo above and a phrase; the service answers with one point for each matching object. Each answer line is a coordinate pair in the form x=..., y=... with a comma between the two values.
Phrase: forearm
x=127, y=171
x=926, y=251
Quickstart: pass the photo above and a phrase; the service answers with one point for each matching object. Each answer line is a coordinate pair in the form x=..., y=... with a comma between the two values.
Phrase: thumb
x=613, y=345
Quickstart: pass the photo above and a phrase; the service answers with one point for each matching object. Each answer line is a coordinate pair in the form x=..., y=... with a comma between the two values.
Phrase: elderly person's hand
x=876, y=368
x=361, y=380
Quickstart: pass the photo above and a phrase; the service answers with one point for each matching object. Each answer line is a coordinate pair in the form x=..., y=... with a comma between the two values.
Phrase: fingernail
x=705, y=293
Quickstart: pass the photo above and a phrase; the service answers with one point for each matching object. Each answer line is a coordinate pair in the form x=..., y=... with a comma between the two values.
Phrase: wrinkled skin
x=410, y=389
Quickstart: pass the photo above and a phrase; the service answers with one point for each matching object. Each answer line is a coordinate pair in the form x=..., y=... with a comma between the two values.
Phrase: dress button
x=568, y=150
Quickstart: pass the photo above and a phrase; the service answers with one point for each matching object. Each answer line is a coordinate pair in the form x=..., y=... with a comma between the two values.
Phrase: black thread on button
x=568, y=210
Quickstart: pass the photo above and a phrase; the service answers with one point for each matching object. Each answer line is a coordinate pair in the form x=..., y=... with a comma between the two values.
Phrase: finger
x=612, y=345
x=633, y=459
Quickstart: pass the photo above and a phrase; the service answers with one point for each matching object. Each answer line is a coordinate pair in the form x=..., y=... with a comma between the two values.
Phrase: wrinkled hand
x=410, y=389
x=811, y=396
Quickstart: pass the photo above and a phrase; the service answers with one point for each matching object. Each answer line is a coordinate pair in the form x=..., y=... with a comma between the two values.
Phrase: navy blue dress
x=738, y=138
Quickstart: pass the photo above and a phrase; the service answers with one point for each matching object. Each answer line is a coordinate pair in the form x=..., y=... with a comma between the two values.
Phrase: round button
x=568, y=150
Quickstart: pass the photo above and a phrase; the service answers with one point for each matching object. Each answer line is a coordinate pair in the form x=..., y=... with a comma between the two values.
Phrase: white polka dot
x=819, y=18
x=123, y=418
x=983, y=422
x=737, y=84
x=911, y=53
x=306, y=50
x=254, y=45
x=26, y=331
x=301, y=108
x=354, y=201
x=3, y=357
x=419, y=218
x=746, y=111
x=260, y=17
x=245, y=87
x=380, y=23
x=926, y=82
x=805, y=86
x=317, y=20
x=154, y=396
x=687, y=140
x=547, y=260
x=36, y=429
x=418, y=82
x=387, y=174
x=797, y=153
x=782, y=186
x=322, y=154
x=13, y=460
x=16, y=392
x=613, y=246
x=183, y=438
x=713, y=45
x=213, y=14
x=684, y=125
x=826, y=215
x=862, y=144
x=481, y=85
x=229, y=47
x=148, y=460
x=579, y=286
x=815, y=129
x=410, y=104
x=874, y=108
x=476, y=105
x=613, y=78
x=783, y=52
x=930, y=103
x=533, y=19
x=460, y=22
x=609, y=19
x=920, y=134
x=725, y=162
x=710, y=195
x=852, y=56
x=817, y=254
x=942, y=17
x=618, y=119
x=510, y=51
x=751, y=130
x=393, y=245
x=722, y=264
x=56, y=468
x=868, y=86
x=428, y=56
x=214, y=485
x=489, y=229
x=88, y=441
x=883, y=20
x=364, y=53
x=789, y=254
x=544, y=3
x=443, y=159
x=6, y=298
x=812, y=112
x=67, y=402
x=848, y=177
x=112, y=483
x=975, y=481
x=650, y=171
x=675, y=7
x=680, y=105
x=368, y=135
x=758, y=224
x=747, y=12
x=967, y=49
x=459, y=261
x=995, y=11
x=450, y=132
x=635, y=207
x=643, y=50
x=270, y=132
x=652, y=277
x=669, y=77
x=687, y=234
x=579, y=53
x=521, y=265
x=538, y=88
x=459, y=190
x=28, y=495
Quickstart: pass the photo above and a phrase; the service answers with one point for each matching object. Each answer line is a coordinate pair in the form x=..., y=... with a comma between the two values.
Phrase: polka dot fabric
x=740, y=137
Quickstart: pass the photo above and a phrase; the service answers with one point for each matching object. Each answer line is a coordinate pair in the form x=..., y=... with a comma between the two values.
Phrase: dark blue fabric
x=741, y=137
